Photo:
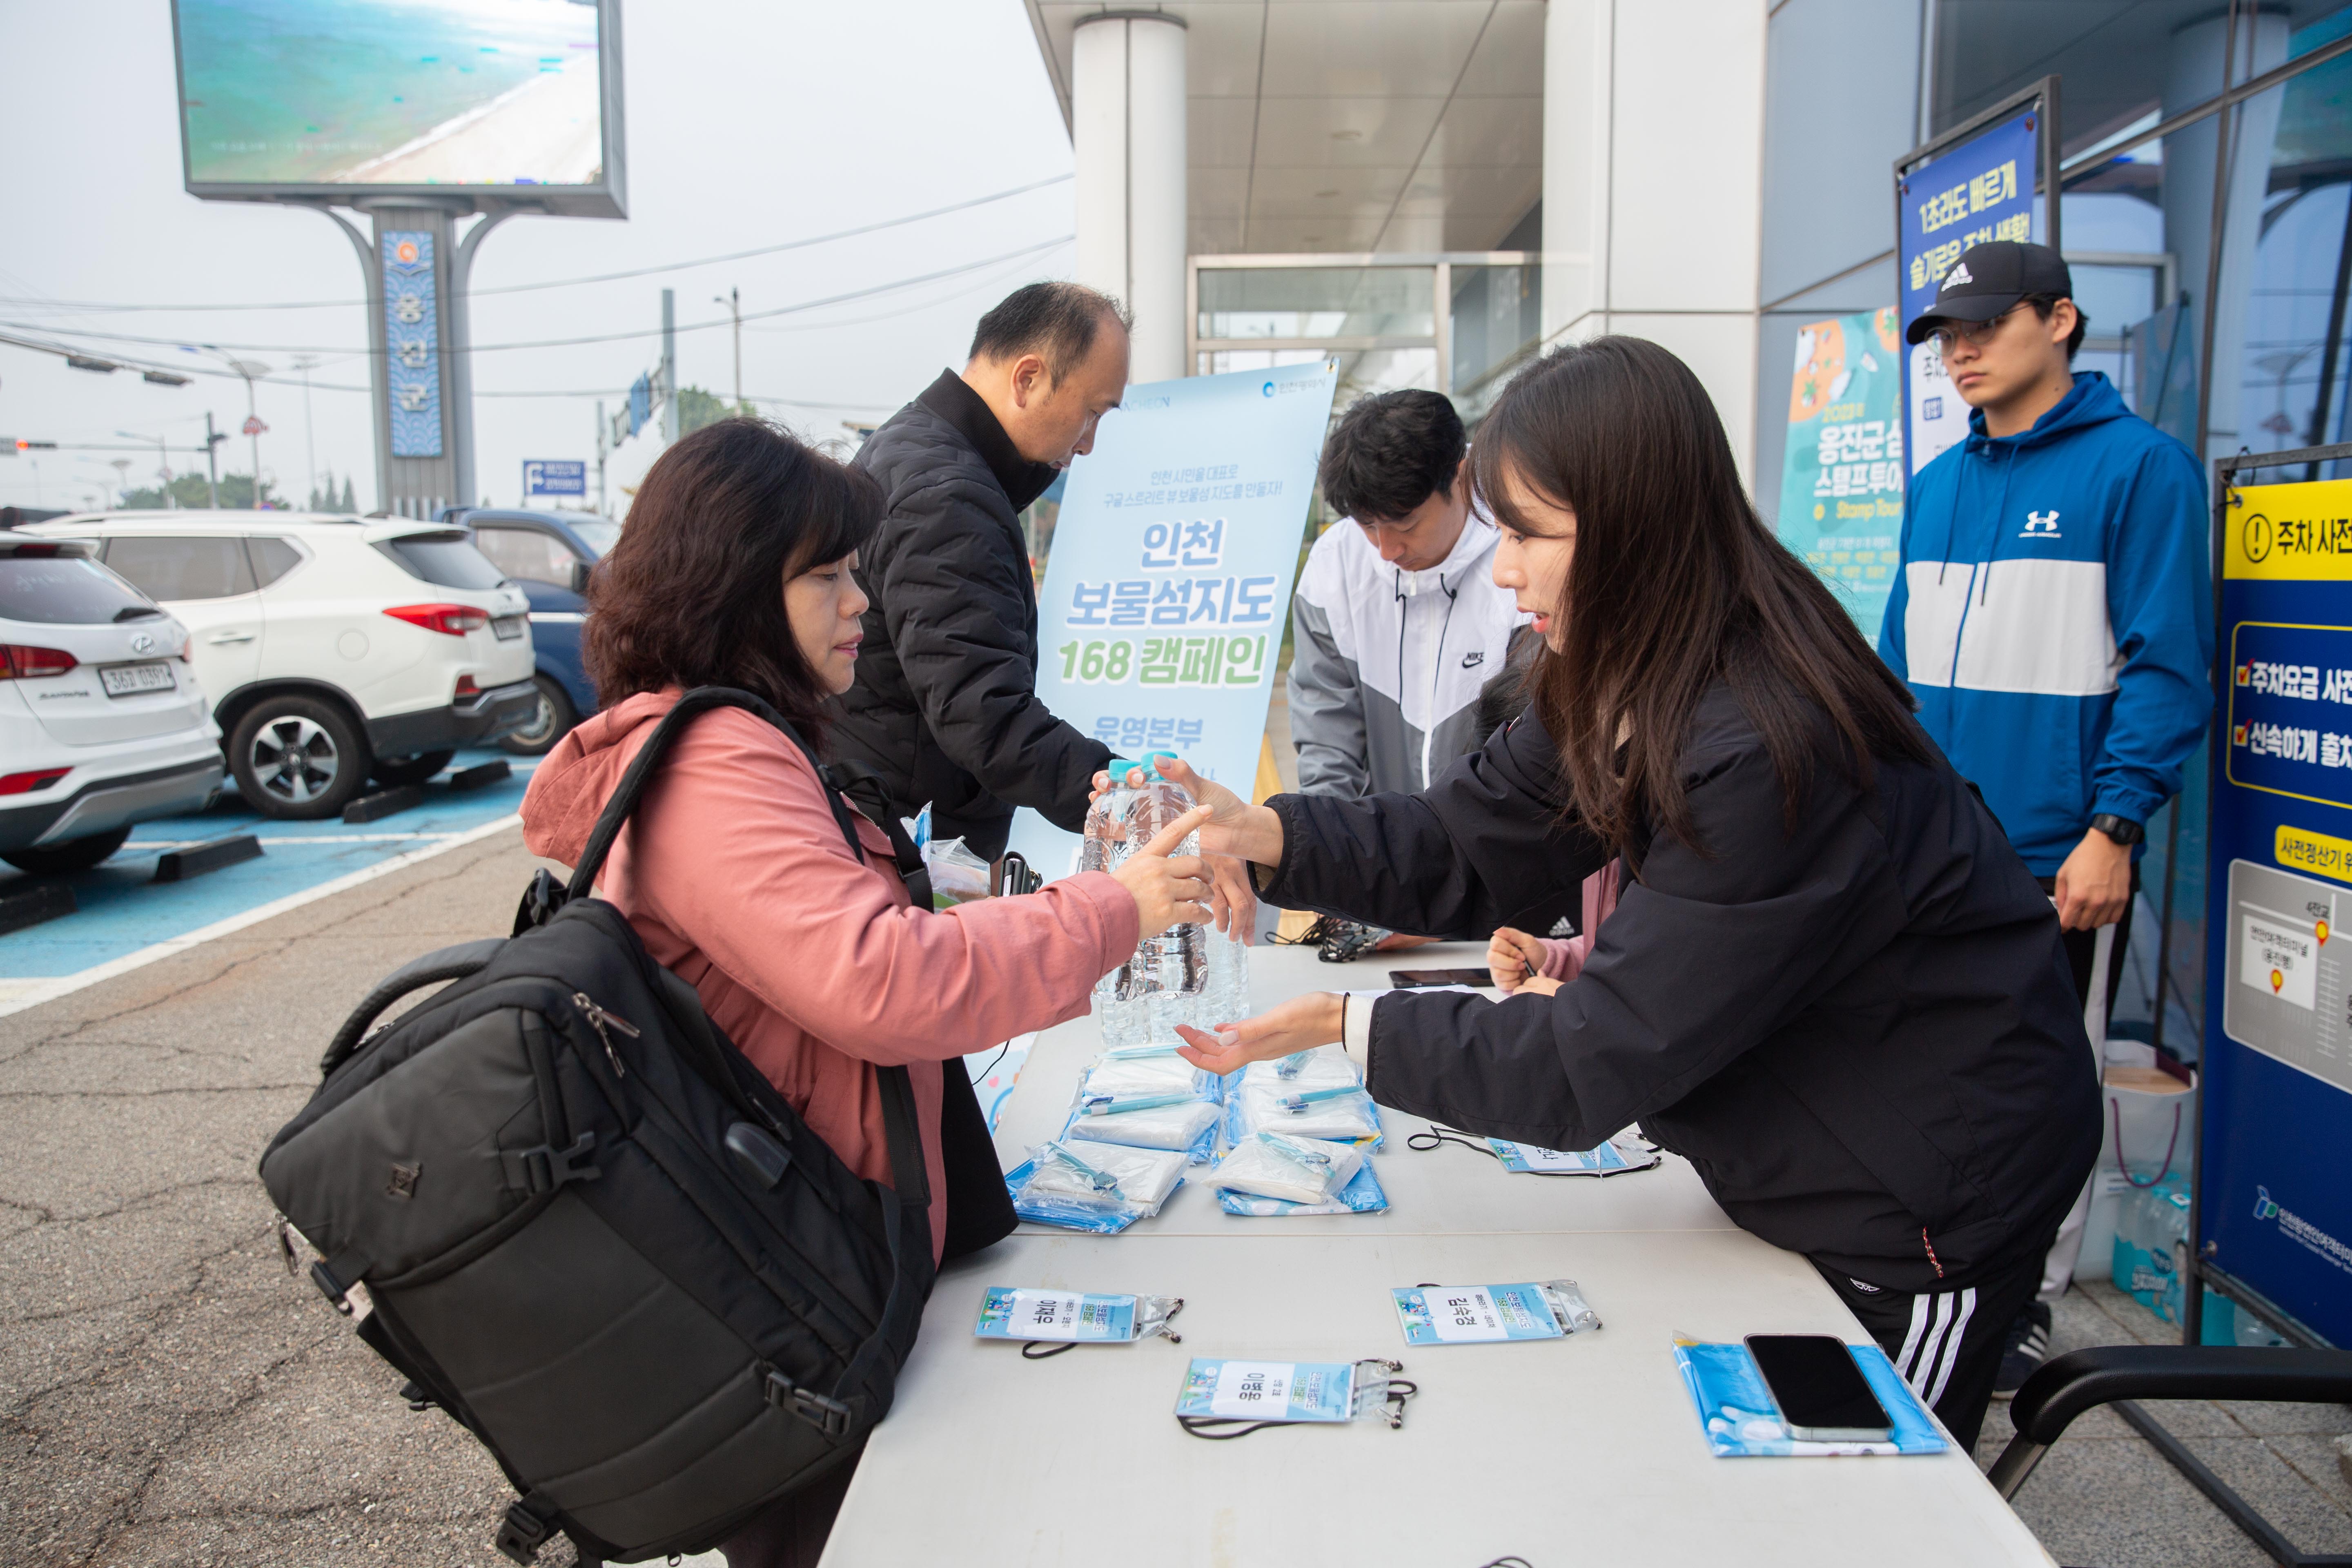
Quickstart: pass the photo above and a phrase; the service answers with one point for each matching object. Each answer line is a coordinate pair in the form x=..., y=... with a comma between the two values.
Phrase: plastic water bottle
x=1161, y=986
x=1225, y=997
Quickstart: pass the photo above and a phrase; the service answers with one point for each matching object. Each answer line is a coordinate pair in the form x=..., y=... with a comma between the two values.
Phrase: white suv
x=101, y=723
x=334, y=648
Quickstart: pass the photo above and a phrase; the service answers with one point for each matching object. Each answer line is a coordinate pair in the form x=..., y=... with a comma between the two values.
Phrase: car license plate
x=508, y=628
x=129, y=679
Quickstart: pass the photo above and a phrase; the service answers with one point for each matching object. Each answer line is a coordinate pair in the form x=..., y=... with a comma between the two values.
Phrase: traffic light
x=12, y=445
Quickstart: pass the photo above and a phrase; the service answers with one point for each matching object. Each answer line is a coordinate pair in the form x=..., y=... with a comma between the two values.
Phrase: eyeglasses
x=1975, y=334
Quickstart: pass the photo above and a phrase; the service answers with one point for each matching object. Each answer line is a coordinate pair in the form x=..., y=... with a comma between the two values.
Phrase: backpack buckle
x=521, y=1533
x=830, y=1417
x=546, y=1168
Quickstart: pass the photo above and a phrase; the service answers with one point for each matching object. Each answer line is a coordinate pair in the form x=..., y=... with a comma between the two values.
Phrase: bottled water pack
x=1189, y=973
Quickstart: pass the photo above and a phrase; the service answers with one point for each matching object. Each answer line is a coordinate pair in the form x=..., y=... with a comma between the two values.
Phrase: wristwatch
x=2117, y=828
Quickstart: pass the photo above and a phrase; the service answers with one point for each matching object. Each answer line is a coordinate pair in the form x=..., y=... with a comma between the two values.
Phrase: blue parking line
x=122, y=910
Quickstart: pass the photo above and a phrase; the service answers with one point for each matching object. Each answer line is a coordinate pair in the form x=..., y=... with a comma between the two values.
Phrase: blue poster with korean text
x=2273, y=1208
x=1842, y=476
x=1168, y=588
x=1981, y=190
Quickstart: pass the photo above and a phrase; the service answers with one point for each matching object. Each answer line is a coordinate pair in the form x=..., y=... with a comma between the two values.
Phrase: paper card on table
x=1252, y=1389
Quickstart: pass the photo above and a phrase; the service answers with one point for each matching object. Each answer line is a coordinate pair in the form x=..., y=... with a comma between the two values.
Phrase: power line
x=76, y=306
x=596, y=338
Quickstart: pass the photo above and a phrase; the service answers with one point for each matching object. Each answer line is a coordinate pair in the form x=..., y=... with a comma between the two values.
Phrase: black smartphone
x=1823, y=1395
x=1412, y=979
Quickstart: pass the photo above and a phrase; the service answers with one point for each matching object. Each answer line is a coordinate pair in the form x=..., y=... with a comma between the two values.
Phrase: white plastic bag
x=1296, y=1170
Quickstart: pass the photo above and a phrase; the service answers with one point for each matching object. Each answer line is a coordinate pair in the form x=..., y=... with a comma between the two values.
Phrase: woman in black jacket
x=1830, y=983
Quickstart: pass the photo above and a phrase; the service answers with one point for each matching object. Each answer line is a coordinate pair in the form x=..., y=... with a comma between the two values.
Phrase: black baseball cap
x=1990, y=279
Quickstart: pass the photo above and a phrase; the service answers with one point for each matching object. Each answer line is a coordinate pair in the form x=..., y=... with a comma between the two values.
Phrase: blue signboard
x=2274, y=1209
x=412, y=374
x=1979, y=191
x=1169, y=587
x=554, y=476
x=641, y=402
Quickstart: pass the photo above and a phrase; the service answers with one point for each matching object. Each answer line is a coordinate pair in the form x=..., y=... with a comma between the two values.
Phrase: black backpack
x=590, y=1230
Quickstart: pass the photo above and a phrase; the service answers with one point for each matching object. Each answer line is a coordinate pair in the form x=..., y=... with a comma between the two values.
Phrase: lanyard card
x=1011, y=1314
x=1469, y=1314
x=1268, y=1390
x=1606, y=1160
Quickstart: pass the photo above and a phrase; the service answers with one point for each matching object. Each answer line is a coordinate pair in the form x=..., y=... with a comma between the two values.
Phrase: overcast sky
x=749, y=123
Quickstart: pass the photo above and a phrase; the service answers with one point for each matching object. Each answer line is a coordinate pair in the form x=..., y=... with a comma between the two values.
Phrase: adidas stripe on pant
x=1947, y=1345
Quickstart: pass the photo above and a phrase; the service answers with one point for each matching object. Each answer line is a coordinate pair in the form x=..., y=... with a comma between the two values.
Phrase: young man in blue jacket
x=2053, y=616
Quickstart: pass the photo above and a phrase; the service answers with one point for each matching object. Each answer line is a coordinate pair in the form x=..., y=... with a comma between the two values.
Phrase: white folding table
x=1563, y=1452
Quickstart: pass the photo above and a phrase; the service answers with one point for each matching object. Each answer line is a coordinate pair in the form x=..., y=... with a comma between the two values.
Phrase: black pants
x=2081, y=947
x=1947, y=1345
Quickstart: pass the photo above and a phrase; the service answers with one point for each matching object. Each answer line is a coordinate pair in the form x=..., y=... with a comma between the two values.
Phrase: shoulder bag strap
x=865, y=787
x=899, y=1127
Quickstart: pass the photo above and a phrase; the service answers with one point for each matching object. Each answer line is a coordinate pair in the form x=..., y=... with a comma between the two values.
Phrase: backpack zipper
x=597, y=1018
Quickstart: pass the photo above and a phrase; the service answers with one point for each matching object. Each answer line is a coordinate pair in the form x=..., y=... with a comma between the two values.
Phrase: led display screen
x=315, y=94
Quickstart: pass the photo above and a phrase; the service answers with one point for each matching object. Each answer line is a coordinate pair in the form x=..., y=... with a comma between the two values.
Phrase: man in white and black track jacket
x=1397, y=622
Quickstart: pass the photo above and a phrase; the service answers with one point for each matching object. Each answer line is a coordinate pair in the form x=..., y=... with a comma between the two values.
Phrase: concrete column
x=1126, y=113
x=1578, y=40
x=1653, y=210
x=2192, y=75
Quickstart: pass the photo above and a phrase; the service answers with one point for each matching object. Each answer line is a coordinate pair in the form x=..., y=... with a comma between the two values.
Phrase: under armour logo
x=1474, y=660
x=1956, y=276
x=2039, y=525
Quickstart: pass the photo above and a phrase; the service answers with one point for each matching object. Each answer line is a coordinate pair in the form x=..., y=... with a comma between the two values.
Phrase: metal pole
x=310, y=439
x=601, y=510
x=734, y=303
x=669, y=365
x=252, y=419
x=211, y=462
x=461, y=354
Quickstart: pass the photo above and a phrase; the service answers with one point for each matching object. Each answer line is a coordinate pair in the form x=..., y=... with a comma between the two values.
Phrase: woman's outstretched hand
x=1235, y=826
x=1167, y=891
x=1298, y=1025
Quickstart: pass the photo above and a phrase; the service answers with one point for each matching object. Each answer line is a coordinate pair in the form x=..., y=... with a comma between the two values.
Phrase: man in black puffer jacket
x=946, y=708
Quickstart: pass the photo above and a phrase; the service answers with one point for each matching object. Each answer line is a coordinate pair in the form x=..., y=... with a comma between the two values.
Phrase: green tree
x=190, y=493
x=349, y=505
x=696, y=408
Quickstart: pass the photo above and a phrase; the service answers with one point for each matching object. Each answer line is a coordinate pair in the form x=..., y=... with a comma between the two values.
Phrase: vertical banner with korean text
x=411, y=343
x=1979, y=191
x=1842, y=479
x=2274, y=1212
x=1168, y=588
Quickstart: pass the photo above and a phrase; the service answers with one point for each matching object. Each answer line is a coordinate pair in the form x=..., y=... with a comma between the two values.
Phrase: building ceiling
x=1349, y=125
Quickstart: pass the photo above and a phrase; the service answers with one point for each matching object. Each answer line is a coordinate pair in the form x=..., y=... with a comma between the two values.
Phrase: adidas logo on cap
x=1956, y=276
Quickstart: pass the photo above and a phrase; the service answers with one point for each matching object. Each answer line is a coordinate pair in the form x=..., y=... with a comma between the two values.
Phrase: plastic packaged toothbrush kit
x=1185, y=1126
x=1097, y=1187
x=1472, y=1314
x=1232, y=1397
x=1742, y=1420
x=1057, y=1319
x=1273, y=1175
x=1333, y=1111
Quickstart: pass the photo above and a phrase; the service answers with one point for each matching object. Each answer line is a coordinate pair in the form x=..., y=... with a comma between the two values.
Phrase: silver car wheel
x=295, y=759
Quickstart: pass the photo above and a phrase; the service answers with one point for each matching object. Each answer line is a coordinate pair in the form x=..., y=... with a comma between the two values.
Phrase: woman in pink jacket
x=736, y=569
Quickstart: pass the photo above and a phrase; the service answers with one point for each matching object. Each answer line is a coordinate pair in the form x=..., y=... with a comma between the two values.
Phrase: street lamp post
x=121, y=466
x=213, y=439
x=733, y=301
x=162, y=466
x=246, y=370
x=306, y=363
